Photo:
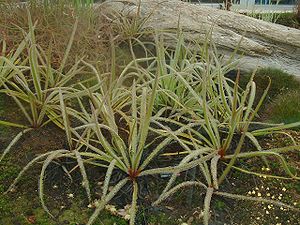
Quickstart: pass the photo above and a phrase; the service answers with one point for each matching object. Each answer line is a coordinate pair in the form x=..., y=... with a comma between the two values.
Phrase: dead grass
x=54, y=27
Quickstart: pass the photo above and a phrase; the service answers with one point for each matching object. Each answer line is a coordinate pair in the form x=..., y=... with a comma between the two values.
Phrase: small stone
x=13, y=190
x=127, y=217
x=70, y=195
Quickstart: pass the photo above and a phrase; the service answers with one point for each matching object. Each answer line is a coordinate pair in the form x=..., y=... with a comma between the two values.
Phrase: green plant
x=32, y=83
x=134, y=153
x=216, y=135
x=77, y=4
x=121, y=133
x=10, y=60
x=7, y=172
x=190, y=63
x=285, y=108
x=129, y=26
x=219, y=204
x=281, y=82
x=131, y=153
x=270, y=16
x=83, y=3
x=172, y=95
x=289, y=20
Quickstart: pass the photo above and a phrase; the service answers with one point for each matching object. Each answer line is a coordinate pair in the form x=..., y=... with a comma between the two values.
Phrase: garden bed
x=98, y=126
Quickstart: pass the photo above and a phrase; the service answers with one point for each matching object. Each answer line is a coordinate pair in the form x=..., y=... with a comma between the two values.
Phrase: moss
x=289, y=20
x=1, y=104
x=7, y=173
x=5, y=207
x=219, y=205
x=294, y=186
x=106, y=218
x=160, y=218
x=281, y=83
x=42, y=218
x=284, y=108
x=8, y=170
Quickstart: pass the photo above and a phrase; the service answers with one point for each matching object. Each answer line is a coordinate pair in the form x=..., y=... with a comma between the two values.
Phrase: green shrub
x=281, y=82
x=285, y=108
x=289, y=20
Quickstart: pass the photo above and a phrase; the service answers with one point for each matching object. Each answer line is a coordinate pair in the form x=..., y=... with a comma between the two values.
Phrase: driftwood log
x=263, y=44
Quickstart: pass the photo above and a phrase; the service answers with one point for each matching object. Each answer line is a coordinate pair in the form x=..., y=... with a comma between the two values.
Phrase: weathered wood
x=263, y=44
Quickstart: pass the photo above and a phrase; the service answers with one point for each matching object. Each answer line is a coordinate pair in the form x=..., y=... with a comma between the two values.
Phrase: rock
x=262, y=44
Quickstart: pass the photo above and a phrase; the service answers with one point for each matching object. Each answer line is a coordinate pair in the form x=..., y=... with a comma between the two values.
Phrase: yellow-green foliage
x=285, y=108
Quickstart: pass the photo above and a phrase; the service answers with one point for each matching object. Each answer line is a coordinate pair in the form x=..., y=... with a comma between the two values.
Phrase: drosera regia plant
x=108, y=148
x=128, y=26
x=119, y=129
x=133, y=155
x=33, y=84
x=216, y=133
x=189, y=63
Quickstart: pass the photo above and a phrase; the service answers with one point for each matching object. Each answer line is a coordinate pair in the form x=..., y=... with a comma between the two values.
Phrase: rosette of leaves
x=217, y=135
x=98, y=139
x=33, y=84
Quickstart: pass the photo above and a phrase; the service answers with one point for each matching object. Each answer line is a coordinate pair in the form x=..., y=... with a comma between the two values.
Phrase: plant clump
x=119, y=122
x=284, y=108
